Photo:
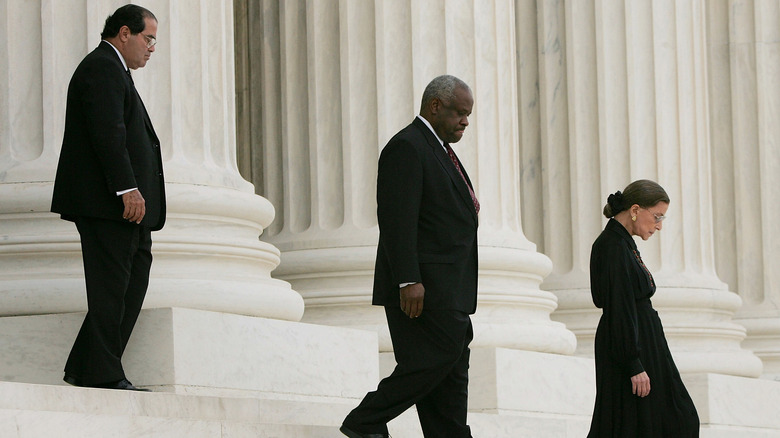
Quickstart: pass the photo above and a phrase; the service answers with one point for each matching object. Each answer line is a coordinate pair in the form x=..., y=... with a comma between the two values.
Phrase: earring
x=633, y=218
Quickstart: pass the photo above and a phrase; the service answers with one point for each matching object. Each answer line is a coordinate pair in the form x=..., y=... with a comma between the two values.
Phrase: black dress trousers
x=117, y=260
x=432, y=352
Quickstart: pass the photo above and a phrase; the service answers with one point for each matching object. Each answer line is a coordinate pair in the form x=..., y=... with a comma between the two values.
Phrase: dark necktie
x=130, y=76
x=454, y=159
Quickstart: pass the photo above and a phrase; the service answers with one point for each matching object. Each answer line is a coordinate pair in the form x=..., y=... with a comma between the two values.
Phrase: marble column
x=744, y=64
x=339, y=79
x=208, y=256
x=623, y=95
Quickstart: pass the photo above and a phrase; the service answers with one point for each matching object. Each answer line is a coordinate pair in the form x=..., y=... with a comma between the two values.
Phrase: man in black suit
x=426, y=258
x=110, y=183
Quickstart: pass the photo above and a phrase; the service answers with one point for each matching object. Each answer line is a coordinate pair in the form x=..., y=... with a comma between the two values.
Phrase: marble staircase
x=227, y=376
x=33, y=411
x=30, y=410
x=43, y=411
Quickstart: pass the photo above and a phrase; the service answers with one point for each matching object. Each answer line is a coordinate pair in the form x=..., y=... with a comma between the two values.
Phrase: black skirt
x=667, y=411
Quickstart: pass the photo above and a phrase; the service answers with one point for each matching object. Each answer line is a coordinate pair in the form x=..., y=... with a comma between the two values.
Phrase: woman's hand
x=640, y=384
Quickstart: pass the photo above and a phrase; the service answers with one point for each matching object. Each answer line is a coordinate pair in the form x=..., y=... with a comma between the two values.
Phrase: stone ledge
x=206, y=353
x=516, y=382
x=729, y=402
x=33, y=411
x=29, y=424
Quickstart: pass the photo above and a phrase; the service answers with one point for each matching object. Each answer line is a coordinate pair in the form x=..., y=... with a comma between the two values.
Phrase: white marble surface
x=514, y=381
x=334, y=100
x=585, y=96
x=622, y=94
x=728, y=401
x=208, y=256
x=192, y=351
x=743, y=66
x=34, y=411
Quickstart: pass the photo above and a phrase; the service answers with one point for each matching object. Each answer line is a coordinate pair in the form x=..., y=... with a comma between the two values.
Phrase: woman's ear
x=634, y=210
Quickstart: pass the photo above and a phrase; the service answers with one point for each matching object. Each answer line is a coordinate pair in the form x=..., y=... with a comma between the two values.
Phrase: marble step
x=34, y=410
x=30, y=410
x=729, y=407
x=39, y=424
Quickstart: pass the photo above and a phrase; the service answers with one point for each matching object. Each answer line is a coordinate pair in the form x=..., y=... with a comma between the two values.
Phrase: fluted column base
x=764, y=340
x=701, y=332
x=697, y=315
x=577, y=312
x=336, y=284
x=207, y=257
x=512, y=312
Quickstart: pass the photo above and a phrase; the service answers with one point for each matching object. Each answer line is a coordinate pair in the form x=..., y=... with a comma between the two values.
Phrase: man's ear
x=435, y=105
x=124, y=33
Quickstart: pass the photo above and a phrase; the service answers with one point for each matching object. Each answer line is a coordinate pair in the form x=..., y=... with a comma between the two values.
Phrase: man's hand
x=412, y=299
x=135, y=206
x=640, y=384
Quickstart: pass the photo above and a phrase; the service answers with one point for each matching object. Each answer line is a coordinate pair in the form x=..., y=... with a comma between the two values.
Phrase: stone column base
x=764, y=340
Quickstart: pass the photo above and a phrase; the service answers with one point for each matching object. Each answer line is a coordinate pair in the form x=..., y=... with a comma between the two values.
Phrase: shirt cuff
x=120, y=193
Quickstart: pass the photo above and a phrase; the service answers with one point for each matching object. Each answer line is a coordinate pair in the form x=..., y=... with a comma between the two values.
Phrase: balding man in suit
x=426, y=270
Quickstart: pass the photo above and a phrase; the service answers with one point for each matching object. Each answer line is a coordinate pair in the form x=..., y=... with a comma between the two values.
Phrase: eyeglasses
x=658, y=217
x=150, y=41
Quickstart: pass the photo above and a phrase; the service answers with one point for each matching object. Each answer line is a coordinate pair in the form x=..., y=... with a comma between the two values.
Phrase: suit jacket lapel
x=147, y=120
x=446, y=163
x=106, y=47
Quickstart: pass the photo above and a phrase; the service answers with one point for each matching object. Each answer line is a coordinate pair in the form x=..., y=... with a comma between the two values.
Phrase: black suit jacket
x=427, y=224
x=109, y=145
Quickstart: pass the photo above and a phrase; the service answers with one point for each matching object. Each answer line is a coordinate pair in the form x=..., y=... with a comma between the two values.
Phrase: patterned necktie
x=454, y=159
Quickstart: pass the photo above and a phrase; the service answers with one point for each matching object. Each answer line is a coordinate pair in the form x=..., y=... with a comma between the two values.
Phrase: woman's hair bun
x=615, y=204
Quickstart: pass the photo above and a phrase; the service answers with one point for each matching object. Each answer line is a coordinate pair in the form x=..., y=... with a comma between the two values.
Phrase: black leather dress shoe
x=121, y=384
x=352, y=434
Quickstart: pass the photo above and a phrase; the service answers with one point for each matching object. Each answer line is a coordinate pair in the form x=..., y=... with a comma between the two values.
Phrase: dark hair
x=643, y=192
x=442, y=87
x=131, y=16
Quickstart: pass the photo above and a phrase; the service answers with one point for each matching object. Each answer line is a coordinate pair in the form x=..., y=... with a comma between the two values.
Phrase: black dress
x=630, y=339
